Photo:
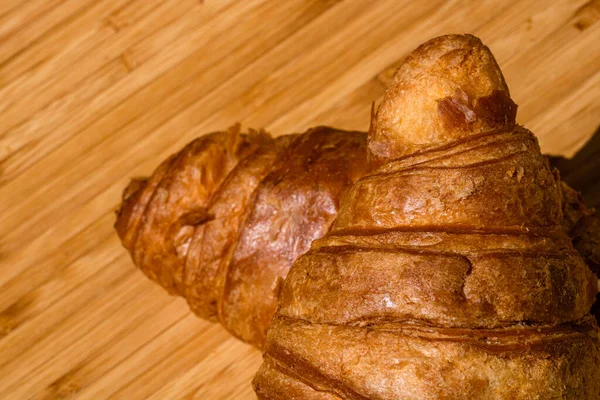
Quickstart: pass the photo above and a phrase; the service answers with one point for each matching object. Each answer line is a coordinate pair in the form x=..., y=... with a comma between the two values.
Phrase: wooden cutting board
x=93, y=92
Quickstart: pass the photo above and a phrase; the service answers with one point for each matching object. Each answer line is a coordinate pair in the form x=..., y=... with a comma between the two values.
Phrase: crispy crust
x=294, y=204
x=413, y=362
x=447, y=274
x=221, y=222
x=450, y=87
x=157, y=220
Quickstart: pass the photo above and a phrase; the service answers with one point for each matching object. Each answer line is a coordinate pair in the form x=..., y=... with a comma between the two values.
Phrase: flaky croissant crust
x=221, y=221
x=447, y=274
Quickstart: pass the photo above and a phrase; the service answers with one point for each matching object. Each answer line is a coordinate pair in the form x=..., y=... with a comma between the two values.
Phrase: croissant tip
x=447, y=88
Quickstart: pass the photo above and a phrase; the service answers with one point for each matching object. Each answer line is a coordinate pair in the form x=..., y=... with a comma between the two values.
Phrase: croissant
x=215, y=181
x=221, y=221
x=218, y=156
x=207, y=191
x=446, y=274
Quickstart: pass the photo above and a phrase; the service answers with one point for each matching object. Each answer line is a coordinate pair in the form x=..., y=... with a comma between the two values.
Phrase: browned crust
x=294, y=204
x=447, y=274
x=410, y=362
x=452, y=87
x=159, y=215
x=212, y=245
x=221, y=221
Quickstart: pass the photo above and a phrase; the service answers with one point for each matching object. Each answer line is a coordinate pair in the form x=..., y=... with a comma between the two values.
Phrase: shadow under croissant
x=582, y=173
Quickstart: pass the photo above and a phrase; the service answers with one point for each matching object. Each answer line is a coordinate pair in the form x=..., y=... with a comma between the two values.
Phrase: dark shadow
x=582, y=172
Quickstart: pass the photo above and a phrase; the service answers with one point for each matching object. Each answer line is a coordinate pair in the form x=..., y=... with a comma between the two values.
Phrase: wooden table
x=93, y=92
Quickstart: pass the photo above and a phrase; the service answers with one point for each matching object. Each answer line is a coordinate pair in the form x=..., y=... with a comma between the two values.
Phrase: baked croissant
x=214, y=183
x=221, y=222
x=208, y=189
x=446, y=274
x=220, y=172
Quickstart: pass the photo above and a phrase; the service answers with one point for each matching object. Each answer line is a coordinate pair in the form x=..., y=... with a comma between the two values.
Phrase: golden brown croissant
x=220, y=172
x=207, y=190
x=221, y=222
x=446, y=274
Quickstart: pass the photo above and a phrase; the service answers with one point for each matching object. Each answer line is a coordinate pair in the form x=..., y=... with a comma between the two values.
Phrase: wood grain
x=93, y=92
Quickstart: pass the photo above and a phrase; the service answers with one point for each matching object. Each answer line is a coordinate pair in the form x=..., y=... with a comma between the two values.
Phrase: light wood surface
x=93, y=92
